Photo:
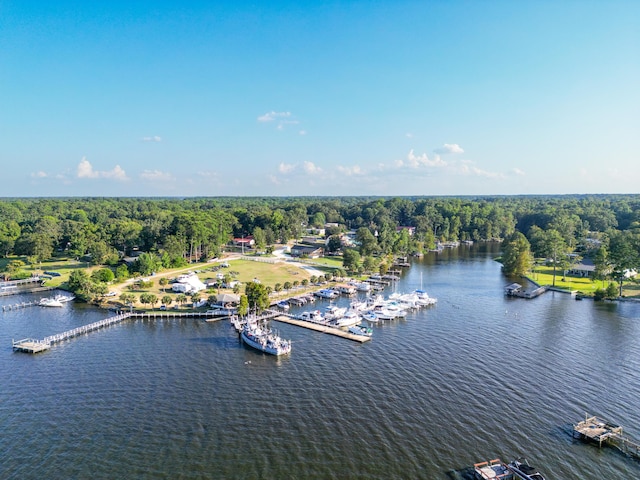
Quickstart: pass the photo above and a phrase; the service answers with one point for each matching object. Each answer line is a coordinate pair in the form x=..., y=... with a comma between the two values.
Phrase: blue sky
x=319, y=98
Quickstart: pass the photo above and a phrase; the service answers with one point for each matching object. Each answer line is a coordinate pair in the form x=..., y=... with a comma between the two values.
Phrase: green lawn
x=543, y=275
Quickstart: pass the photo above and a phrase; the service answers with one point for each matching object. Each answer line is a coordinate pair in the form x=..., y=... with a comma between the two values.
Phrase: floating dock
x=321, y=328
x=599, y=431
x=30, y=345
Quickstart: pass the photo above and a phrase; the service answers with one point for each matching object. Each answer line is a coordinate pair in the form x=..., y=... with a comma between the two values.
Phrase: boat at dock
x=523, y=471
x=327, y=293
x=284, y=305
x=57, y=301
x=361, y=330
x=314, y=316
x=50, y=302
x=264, y=339
x=370, y=317
x=349, y=319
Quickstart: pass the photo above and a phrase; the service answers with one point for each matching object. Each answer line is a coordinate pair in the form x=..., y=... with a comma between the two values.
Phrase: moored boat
x=264, y=339
x=523, y=471
x=50, y=302
x=370, y=317
x=326, y=293
x=492, y=470
x=284, y=305
x=361, y=330
x=348, y=319
x=64, y=298
x=314, y=316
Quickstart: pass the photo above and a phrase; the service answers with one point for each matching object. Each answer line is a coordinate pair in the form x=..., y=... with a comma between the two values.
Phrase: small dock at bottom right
x=602, y=432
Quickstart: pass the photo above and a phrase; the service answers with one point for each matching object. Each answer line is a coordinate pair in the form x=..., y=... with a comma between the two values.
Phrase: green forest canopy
x=197, y=228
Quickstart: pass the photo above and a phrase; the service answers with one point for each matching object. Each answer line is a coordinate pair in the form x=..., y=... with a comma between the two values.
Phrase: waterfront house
x=584, y=268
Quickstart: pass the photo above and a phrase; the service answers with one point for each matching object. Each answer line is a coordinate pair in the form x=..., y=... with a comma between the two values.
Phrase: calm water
x=476, y=377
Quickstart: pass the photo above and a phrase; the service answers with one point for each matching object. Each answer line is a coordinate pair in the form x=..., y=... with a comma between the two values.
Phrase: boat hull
x=263, y=345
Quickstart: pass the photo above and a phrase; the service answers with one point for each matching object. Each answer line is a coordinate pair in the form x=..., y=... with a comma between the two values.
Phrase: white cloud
x=408, y=135
x=271, y=116
x=449, y=148
x=285, y=167
x=415, y=161
x=518, y=172
x=154, y=138
x=349, y=171
x=85, y=170
x=156, y=176
x=467, y=168
x=311, y=168
x=281, y=119
x=39, y=174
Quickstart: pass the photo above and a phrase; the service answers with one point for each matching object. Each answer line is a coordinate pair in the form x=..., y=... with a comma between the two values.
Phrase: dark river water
x=476, y=377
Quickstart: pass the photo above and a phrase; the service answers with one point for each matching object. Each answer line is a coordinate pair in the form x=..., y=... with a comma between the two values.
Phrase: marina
x=376, y=406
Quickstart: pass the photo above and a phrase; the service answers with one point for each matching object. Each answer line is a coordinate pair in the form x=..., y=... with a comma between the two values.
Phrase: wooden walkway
x=599, y=431
x=30, y=345
x=286, y=318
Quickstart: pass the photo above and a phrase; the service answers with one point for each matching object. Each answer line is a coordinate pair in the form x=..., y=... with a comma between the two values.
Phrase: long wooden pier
x=30, y=345
x=286, y=318
x=599, y=431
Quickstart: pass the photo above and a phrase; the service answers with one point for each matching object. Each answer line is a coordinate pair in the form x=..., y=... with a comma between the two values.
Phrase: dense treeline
x=180, y=230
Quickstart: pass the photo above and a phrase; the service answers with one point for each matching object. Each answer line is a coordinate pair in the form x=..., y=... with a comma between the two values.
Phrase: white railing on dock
x=85, y=329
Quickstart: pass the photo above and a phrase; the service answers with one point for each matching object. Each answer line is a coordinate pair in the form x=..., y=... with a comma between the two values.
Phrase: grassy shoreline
x=268, y=270
x=543, y=275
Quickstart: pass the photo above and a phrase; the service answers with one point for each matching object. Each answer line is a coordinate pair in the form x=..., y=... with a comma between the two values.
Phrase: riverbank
x=584, y=286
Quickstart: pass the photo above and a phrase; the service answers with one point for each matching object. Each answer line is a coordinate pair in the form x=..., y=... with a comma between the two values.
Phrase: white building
x=189, y=283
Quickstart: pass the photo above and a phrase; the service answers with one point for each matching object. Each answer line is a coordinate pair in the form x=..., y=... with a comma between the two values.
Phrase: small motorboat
x=50, y=302
x=523, y=471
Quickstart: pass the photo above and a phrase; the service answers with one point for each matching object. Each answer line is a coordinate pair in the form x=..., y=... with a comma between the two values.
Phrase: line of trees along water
x=180, y=230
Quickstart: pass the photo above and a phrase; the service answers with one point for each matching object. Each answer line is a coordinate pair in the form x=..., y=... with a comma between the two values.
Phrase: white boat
x=361, y=330
x=348, y=319
x=333, y=313
x=358, y=306
x=64, y=298
x=395, y=309
x=370, y=317
x=424, y=298
x=326, y=293
x=50, y=302
x=363, y=286
x=314, y=316
x=264, y=339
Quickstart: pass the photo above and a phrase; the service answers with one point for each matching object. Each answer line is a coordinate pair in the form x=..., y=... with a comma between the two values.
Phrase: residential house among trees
x=246, y=242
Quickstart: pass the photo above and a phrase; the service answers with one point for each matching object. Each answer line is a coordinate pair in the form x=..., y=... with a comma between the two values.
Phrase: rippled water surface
x=476, y=377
